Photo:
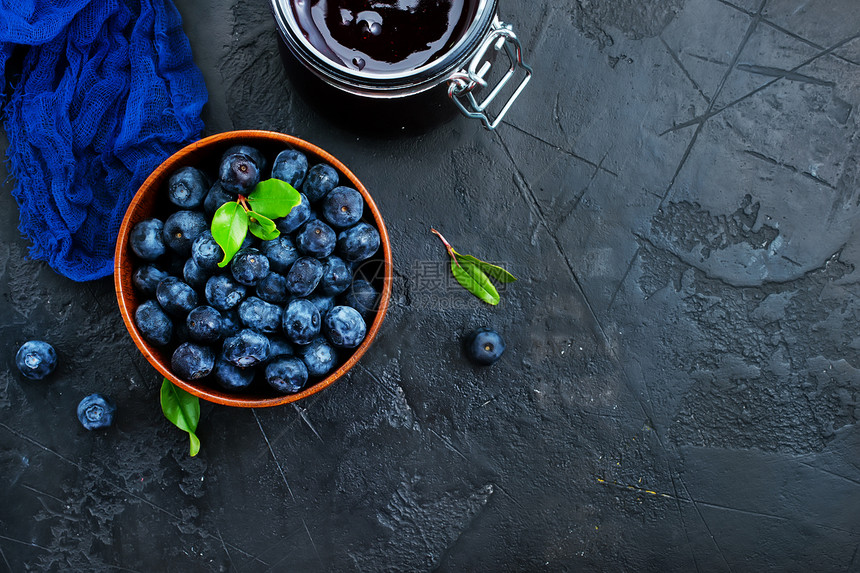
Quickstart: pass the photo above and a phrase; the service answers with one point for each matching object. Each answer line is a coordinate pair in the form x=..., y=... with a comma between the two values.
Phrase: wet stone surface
x=677, y=191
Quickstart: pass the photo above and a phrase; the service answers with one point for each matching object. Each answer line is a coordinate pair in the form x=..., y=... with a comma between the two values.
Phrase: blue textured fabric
x=106, y=91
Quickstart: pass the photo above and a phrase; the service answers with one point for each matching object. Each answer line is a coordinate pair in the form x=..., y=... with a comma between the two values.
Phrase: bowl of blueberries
x=248, y=310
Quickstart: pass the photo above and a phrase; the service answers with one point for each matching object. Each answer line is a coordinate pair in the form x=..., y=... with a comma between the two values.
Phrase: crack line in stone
x=274, y=457
x=314, y=545
x=561, y=149
x=773, y=516
x=27, y=543
x=6, y=561
x=828, y=472
x=227, y=551
x=449, y=445
x=789, y=167
x=705, y=523
x=681, y=515
x=623, y=278
x=772, y=72
x=304, y=418
x=684, y=69
x=46, y=494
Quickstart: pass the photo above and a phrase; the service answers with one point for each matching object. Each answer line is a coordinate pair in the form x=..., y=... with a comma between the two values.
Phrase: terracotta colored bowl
x=151, y=199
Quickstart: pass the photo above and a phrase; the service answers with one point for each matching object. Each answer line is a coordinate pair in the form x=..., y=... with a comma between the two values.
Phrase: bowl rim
x=123, y=287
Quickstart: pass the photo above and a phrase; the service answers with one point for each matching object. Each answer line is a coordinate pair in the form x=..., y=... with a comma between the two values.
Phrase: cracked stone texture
x=677, y=191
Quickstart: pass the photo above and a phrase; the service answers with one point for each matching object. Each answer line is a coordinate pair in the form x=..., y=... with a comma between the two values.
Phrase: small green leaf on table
x=229, y=227
x=474, y=274
x=182, y=409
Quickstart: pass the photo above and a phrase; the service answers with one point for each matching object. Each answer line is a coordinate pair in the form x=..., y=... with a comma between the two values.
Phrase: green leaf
x=262, y=227
x=182, y=409
x=474, y=280
x=274, y=198
x=229, y=227
x=494, y=271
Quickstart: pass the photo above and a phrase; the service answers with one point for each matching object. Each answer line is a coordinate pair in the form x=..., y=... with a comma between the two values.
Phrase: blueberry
x=321, y=179
x=301, y=321
x=230, y=322
x=206, y=251
x=187, y=188
x=316, y=239
x=175, y=296
x=232, y=378
x=223, y=292
x=342, y=207
x=96, y=411
x=319, y=356
x=246, y=348
x=304, y=276
x=154, y=325
x=358, y=242
x=287, y=375
x=194, y=276
x=260, y=315
x=322, y=302
x=240, y=170
x=361, y=296
x=146, y=278
x=344, y=327
x=248, y=266
x=273, y=288
x=337, y=276
x=281, y=253
x=216, y=197
x=36, y=359
x=279, y=346
x=192, y=361
x=181, y=229
x=204, y=324
x=290, y=166
x=296, y=217
x=484, y=346
x=147, y=239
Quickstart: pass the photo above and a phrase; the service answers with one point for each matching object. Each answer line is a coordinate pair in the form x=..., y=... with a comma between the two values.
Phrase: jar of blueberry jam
x=387, y=49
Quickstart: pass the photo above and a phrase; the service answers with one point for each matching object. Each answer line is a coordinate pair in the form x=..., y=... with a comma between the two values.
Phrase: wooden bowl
x=151, y=199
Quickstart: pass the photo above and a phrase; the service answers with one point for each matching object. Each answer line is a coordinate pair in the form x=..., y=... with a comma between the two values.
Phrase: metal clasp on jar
x=462, y=83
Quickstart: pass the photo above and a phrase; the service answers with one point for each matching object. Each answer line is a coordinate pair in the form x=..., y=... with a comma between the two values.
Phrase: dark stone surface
x=677, y=191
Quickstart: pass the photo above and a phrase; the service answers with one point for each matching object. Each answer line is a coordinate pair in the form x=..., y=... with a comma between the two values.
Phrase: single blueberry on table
x=175, y=297
x=273, y=288
x=181, y=229
x=316, y=239
x=152, y=322
x=36, y=359
x=296, y=217
x=191, y=361
x=96, y=411
x=206, y=251
x=204, y=324
x=223, y=292
x=301, y=321
x=361, y=296
x=187, y=188
x=194, y=276
x=147, y=239
x=319, y=356
x=240, y=169
x=358, y=243
x=146, y=278
x=230, y=377
x=344, y=327
x=249, y=265
x=290, y=166
x=246, y=348
x=287, y=375
x=281, y=253
x=342, y=207
x=304, y=276
x=216, y=197
x=321, y=179
x=260, y=315
x=484, y=346
x=337, y=276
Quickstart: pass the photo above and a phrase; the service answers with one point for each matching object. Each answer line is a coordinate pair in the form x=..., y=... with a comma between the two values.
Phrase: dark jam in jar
x=383, y=36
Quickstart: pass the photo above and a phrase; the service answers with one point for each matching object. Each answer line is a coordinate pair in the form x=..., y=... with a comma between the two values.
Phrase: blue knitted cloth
x=106, y=90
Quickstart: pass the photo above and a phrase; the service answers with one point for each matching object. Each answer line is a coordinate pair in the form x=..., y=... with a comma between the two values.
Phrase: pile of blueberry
x=284, y=312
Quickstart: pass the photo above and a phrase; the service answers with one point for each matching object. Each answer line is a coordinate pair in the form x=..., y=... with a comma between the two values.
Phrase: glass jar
x=461, y=61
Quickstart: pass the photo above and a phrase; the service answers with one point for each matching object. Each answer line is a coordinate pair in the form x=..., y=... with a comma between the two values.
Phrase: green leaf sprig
x=270, y=199
x=474, y=274
x=183, y=409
